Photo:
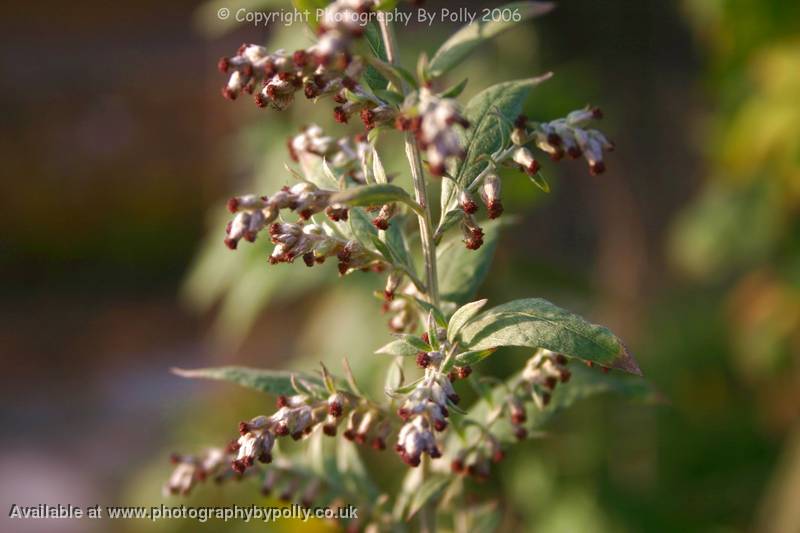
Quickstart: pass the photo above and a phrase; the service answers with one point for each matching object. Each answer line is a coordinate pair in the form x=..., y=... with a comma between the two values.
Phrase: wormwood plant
x=342, y=206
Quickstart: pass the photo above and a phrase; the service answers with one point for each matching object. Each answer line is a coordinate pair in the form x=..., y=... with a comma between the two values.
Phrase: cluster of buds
x=564, y=136
x=405, y=316
x=325, y=68
x=254, y=213
x=432, y=124
x=424, y=411
x=475, y=461
x=297, y=416
x=311, y=144
x=539, y=378
x=367, y=426
x=489, y=189
x=191, y=470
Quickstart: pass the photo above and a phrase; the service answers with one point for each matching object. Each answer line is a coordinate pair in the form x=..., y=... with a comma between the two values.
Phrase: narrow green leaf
x=395, y=240
x=462, y=271
x=269, y=381
x=540, y=182
x=463, y=315
x=537, y=323
x=398, y=347
x=455, y=90
x=362, y=228
x=465, y=40
x=375, y=194
x=430, y=489
x=375, y=79
x=390, y=97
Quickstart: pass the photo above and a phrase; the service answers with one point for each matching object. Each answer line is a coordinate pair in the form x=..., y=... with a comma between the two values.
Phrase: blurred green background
x=119, y=153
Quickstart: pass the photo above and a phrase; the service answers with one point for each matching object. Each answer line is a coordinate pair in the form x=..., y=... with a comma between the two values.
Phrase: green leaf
x=540, y=182
x=395, y=240
x=537, y=323
x=465, y=40
x=375, y=79
x=400, y=347
x=462, y=271
x=456, y=90
x=398, y=76
x=485, y=134
x=375, y=194
x=390, y=97
x=473, y=357
x=269, y=381
x=463, y=315
x=362, y=228
x=430, y=489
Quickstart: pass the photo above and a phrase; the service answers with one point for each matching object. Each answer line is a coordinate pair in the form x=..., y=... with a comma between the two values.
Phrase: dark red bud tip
x=233, y=446
x=596, y=168
x=335, y=409
x=439, y=425
x=423, y=359
x=297, y=435
x=521, y=122
x=469, y=207
x=561, y=359
x=554, y=139
x=223, y=64
x=238, y=467
x=378, y=444
x=308, y=259
x=437, y=170
x=457, y=466
x=454, y=398
x=281, y=430
x=300, y=57
x=339, y=115
x=349, y=434
x=360, y=438
x=550, y=382
x=464, y=371
x=565, y=375
x=244, y=428
x=495, y=209
x=260, y=100
x=425, y=338
x=546, y=399
x=174, y=458
x=229, y=93
x=282, y=401
x=518, y=418
x=452, y=376
x=574, y=152
x=597, y=113
x=368, y=118
x=265, y=458
x=402, y=413
x=380, y=223
x=329, y=430
x=520, y=433
x=498, y=456
x=533, y=168
x=231, y=243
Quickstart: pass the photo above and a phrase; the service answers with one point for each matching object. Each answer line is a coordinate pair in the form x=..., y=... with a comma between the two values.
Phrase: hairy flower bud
x=490, y=194
x=524, y=158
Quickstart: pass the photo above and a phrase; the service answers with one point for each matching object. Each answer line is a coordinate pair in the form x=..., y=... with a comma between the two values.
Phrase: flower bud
x=524, y=158
x=466, y=202
x=490, y=194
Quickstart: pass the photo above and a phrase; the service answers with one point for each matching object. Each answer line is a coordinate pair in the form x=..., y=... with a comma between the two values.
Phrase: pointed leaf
x=537, y=323
x=462, y=271
x=398, y=347
x=374, y=194
x=269, y=381
x=463, y=315
x=465, y=40
x=485, y=134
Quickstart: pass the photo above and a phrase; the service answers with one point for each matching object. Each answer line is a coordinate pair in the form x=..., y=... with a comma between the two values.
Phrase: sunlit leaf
x=269, y=381
x=537, y=323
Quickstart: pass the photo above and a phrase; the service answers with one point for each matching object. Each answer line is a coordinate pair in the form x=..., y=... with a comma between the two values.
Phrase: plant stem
x=427, y=514
x=420, y=186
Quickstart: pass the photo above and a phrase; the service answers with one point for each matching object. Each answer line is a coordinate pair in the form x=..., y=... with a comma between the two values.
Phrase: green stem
x=420, y=186
x=427, y=514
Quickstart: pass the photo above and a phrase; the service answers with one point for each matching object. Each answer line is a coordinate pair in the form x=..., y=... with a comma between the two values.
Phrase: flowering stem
x=420, y=187
x=427, y=514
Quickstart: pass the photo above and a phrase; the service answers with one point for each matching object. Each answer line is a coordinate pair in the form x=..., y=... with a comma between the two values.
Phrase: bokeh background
x=118, y=153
